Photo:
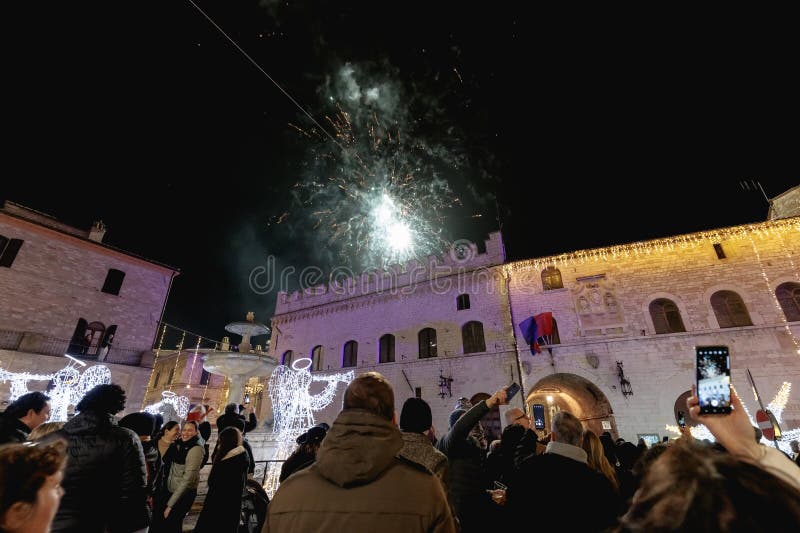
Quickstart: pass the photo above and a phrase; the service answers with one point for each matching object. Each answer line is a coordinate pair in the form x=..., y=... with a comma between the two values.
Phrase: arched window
x=788, y=295
x=286, y=358
x=78, y=346
x=386, y=349
x=472, y=337
x=427, y=343
x=316, y=358
x=551, y=279
x=730, y=309
x=462, y=302
x=94, y=333
x=350, y=354
x=666, y=316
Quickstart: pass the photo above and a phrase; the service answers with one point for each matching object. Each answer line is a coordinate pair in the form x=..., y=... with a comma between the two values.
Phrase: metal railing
x=28, y=341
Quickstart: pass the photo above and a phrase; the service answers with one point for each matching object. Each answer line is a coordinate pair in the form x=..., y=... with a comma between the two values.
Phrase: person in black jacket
x=22, y=416
x=105, y=480
x=223, y=505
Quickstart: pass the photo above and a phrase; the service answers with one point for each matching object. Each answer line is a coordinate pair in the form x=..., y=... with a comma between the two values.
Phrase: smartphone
x=538, y=416
x=713, y=374
x=511, y=391
x=681, y=419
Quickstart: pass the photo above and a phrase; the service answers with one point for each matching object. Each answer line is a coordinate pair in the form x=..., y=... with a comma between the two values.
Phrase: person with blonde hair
x=42, y=430
x=30, y=485
x=596, y=457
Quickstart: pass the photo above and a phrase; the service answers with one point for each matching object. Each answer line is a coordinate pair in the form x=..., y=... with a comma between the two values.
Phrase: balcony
x=30, y=342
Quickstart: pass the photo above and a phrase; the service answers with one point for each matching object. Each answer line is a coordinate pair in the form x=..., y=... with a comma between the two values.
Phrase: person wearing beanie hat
x=144, y=425
x=416, y=422
x=306, y=452
x=465, y=452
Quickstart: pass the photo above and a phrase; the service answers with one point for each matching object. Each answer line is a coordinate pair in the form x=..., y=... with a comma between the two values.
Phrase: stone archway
x=573, y=393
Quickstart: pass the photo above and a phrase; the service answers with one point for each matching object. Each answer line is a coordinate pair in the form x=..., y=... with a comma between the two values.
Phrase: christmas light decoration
x=177, y=358
x=171, y=407
x=69, y=386
x=293, y=407
x=19, y=381
x=644, y=248
x=155, y=364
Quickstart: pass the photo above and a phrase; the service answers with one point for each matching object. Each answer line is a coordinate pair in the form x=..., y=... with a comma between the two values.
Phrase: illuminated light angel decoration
x=776, y=406
x=171, y=407
x=19, y=381
x=69, y=385
x=293, y=406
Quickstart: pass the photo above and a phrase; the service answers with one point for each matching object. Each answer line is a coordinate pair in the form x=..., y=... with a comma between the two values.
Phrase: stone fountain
x=239, y=366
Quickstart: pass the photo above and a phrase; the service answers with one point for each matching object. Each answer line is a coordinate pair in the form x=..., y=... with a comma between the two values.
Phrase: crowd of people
x=370, y=471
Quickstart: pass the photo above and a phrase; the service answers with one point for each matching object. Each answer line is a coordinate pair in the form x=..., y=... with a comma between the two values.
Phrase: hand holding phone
x=713, y=379
x=511, y=391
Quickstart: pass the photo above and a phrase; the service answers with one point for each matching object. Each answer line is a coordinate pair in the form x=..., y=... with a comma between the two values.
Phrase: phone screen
x=713, y=369
x=538, y=416
x=511, y=391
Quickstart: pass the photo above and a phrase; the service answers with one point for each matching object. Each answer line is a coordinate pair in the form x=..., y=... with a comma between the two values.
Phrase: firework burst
x=376, y=195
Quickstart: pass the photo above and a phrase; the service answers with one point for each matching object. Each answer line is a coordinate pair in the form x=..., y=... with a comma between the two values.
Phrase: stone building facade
x=644, y=305
x=62, y=290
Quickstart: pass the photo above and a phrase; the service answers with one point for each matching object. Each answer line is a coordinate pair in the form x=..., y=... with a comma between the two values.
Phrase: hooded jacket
x=105, y=480
x=358, y=484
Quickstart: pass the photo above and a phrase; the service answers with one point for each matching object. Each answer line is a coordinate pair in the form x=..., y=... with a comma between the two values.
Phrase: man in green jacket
x=357, y=482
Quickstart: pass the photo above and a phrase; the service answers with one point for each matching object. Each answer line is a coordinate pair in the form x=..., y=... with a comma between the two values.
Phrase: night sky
x=575, y=133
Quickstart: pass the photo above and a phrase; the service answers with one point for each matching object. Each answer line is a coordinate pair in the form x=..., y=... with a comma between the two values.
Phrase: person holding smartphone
x=734, y=431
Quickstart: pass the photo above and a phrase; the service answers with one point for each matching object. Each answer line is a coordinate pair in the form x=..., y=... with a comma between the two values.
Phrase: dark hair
x=231, y=408
x=109, y=399
x=141, y=423
x=24, y=469
x=691, y=487
x=415, y=417
x=228, y=439
x=166, y=427
x=372, y=392
x=32, y=400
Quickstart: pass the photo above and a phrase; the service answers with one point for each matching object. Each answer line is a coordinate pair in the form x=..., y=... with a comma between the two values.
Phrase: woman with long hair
x=223, y=505
x=176, y=496
x=596, y=457
x=30, y=485
x=167, y=435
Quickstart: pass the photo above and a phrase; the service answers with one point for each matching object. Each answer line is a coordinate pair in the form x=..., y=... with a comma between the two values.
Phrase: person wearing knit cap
x=144, y=425
x=465, y=452
x=416, y=422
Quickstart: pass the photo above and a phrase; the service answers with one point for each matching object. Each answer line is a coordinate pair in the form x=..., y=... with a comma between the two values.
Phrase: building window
x=78, y=346
x=113, y=281
x=551, y=279
x=788, y=295
x=472, y=337
x=666, y=316
x=719, y=251
x=286, y=358
x=386, y=349
x=316, y=358
x=171, y=375
x=204, y=377
x=418, y=392
x=350, y=354
x=730, y=310
x=155, y=380
x=462, y=302
x=427, y=343
x=9, y=248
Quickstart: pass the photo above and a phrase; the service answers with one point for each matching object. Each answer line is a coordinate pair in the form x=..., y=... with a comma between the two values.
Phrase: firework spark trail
x=377, y=197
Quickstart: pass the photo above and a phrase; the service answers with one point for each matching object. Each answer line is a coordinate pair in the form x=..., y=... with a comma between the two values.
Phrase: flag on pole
x=536, y=327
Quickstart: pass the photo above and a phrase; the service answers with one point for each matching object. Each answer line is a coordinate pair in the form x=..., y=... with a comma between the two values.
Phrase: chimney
x=97, y=231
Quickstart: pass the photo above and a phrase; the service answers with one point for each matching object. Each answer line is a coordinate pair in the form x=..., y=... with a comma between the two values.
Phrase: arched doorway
x=579, y=396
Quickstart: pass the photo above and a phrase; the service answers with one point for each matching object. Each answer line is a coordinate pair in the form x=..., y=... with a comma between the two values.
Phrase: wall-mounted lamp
x=624, y=384
x=445, y=386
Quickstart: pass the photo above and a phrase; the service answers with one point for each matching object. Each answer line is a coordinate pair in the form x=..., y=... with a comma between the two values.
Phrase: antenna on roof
x=753, y=185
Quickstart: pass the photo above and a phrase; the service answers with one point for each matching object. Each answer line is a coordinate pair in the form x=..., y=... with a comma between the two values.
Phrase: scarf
x=181, y=448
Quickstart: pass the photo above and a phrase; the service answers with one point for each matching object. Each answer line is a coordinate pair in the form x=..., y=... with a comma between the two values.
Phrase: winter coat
x=105, y=480
x=358, y=484
x=467, y=479
x=298, y=460
x=12, y=430
x=186, y=459
x=417, y=448
x=223, y=505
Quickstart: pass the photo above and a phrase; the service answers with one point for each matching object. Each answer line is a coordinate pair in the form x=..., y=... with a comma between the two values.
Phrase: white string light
x=171, y=407
x=19, y=381
x=293, y=407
